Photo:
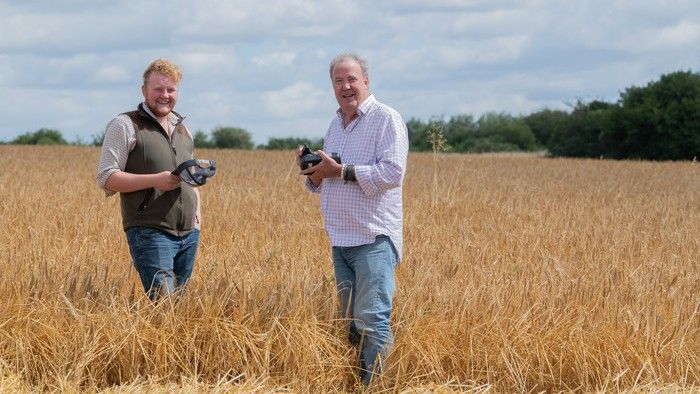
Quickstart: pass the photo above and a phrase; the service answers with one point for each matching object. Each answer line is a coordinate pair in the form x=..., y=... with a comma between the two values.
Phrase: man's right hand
x=327, y=168
x=166, y=181
x=125, y=182
x=300, y=148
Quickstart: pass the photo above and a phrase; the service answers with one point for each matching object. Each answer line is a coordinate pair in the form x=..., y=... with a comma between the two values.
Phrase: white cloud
x=297, y=99
x=216, y=105
x=277, y=59
x=244, y=21
x=684, y=34
x=490, y=51
x=263, y=65
x=112, y=74
x=642, y=39
x=207, y=61
x=53, y=29
x=73, y=112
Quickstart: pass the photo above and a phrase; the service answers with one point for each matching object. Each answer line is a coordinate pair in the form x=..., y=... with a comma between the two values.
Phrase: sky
x=262, y=65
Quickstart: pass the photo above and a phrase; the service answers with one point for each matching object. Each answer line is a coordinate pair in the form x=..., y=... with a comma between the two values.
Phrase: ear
x=143, y=90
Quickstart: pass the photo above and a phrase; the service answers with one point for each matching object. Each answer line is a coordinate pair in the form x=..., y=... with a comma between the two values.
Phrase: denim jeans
x=364, y=277
x=164, y=261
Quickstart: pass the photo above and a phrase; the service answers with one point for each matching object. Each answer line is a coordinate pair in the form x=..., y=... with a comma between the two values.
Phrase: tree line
x=659, y=121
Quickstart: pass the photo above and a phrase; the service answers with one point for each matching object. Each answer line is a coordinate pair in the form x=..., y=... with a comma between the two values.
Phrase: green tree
x=460, y=133
x=232, y=138
x=418, y=135
x=41, y=137
x=505, y=132
x=493, y=132
x=98, y=139
x=291, y=143
x=660, y=121
x=201, y=140
x=543, y=123
x=579, y=135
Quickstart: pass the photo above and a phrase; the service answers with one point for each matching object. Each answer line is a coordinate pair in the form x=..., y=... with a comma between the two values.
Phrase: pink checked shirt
x=376, y=143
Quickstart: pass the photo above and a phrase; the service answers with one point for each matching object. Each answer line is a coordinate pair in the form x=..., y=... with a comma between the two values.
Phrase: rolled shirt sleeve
x=376, y=144
x=310, y=186
x=388, y=172
x=119, y=140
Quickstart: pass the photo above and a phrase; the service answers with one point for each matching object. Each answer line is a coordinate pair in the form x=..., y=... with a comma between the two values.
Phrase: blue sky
x=263, y=65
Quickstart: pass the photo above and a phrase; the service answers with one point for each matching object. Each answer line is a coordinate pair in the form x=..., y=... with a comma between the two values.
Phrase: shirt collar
x=172, y=117
x=363, y=108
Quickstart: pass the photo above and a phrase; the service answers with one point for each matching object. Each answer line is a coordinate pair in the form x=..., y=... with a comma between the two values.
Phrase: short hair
x=349, y=56
x=165, y=67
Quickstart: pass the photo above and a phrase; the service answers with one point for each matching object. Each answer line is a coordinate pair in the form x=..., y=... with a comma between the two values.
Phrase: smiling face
x=350, y=85
x=160, y=94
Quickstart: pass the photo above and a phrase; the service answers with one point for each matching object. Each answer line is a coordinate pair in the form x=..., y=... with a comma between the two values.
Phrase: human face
x=160, y=93
x=350, y=86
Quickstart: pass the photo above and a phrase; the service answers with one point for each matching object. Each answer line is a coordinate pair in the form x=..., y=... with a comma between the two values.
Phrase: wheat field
x=521, y=274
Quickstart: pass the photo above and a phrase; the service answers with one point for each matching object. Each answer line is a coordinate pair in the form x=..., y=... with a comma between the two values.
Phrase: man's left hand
x=327, y=168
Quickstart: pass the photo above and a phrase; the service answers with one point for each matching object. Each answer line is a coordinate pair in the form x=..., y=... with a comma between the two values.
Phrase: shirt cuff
x=310, y=186
x=363, y=176
x=102, y=182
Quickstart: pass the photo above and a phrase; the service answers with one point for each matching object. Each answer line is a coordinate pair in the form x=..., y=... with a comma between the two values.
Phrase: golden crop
x=520, y=274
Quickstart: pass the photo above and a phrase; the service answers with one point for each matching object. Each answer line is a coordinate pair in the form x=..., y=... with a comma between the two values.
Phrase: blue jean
x=164, y=261
x=364, y=277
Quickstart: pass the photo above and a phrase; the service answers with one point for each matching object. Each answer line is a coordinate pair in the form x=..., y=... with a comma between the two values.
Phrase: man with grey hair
x=361, y=202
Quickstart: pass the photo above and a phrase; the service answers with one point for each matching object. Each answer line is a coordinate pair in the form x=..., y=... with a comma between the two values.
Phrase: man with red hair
x=160, y=214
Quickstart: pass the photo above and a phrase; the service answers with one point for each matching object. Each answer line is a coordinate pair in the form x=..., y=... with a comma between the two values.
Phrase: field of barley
x=521, y=274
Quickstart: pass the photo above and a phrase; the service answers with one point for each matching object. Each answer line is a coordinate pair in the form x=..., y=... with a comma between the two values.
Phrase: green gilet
x=172, y=211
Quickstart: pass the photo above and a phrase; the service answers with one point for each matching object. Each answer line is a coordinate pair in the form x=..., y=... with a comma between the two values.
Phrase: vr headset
x=195, y=172
x=192, y=172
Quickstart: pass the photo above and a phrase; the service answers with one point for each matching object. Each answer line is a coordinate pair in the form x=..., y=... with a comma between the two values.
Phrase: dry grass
x=524, y=274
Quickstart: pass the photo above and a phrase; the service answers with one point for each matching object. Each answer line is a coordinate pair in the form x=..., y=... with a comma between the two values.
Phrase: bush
x=418, y=139
x=201, y=140
x=232, y=138
x=41, y=137
x=506, y=132
x=544, y=123
x=291, y=143
x=658, y=122
x=579, y=135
